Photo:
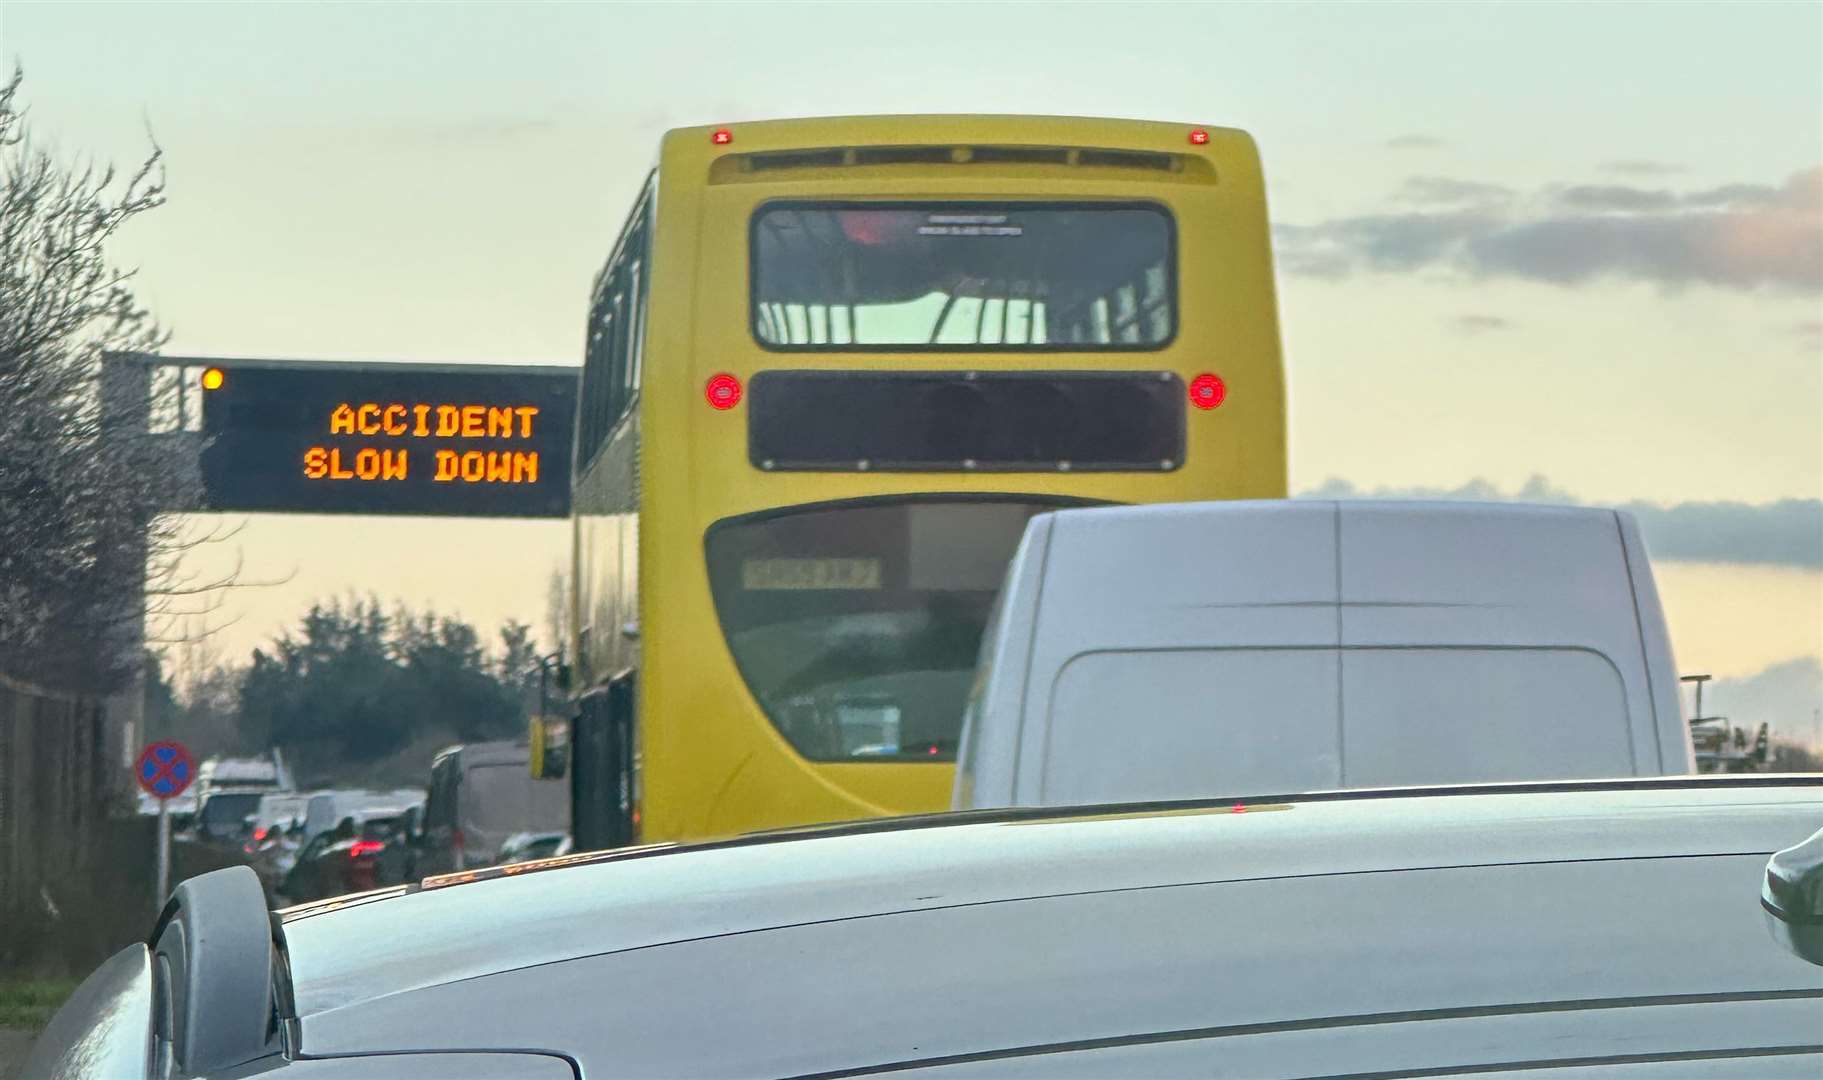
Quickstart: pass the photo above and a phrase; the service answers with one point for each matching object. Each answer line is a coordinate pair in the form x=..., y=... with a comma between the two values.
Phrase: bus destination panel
x=388, y=439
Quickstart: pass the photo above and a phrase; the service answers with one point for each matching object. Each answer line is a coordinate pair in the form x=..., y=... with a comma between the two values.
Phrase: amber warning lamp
x=213, y=378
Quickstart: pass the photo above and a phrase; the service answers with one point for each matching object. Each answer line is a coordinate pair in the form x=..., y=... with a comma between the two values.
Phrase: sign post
x=164, y=770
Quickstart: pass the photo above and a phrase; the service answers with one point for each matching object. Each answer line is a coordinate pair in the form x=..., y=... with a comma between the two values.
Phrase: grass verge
x=29, y=1004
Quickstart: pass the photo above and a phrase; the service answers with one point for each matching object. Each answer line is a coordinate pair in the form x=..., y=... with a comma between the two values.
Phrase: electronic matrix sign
x=346, y=438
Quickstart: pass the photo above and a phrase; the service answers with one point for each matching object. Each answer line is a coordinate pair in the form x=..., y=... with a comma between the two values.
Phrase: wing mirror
x=1793, y=898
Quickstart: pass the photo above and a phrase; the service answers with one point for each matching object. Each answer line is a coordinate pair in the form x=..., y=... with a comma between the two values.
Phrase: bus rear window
x=968, y=276
x=857, y=626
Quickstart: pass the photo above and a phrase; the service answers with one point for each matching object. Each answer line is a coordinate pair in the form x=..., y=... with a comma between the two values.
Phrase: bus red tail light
x=365, y=847
x=1207, y=391
x=722, y=137
x=723, y=391
x=1199, y=137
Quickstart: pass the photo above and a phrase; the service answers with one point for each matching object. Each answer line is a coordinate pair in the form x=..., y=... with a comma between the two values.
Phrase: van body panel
x=1676, y=751
x=1135, y=563
x=1226, y=720
x=1175, y=651
x=1463, y=716
x=1526, y=577
x=1005, y=659
x=479, y=795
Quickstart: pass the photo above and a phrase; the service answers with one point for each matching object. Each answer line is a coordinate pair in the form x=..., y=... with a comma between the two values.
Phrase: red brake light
x=365, y=847
x=1207, y=391
x=1199, y=137
x=722, y=137
x=723, y=391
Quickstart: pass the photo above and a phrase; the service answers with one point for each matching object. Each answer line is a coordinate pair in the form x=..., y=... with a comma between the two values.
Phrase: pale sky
x=440, y=182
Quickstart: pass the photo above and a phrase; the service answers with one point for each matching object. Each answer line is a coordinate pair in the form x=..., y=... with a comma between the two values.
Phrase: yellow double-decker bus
x=833, y=366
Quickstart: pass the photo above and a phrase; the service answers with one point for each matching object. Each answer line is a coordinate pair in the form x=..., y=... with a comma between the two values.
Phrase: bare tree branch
x=83, y=531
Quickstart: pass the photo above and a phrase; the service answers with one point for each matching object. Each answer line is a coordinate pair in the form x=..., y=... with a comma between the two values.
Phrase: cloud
x=1784, y=533
x=1738, y=236
x=1480, y=324
x=1785, y=697
x=1415, y=142
x=1448, y=190
x=1614, y=197
x=1642, y=167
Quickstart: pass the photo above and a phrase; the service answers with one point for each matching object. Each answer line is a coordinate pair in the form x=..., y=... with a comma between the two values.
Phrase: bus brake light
x=723, y=391
x=1207, y=391
x=1199, y=137
x=722, y=137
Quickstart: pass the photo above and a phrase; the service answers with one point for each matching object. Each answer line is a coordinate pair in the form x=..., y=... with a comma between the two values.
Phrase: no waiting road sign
x=164, y=769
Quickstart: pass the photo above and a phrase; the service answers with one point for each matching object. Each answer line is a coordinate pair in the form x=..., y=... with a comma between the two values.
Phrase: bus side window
x=610, y=371
x=594, y=374
x=618, y=371
x=623, y=286
x=637, y=328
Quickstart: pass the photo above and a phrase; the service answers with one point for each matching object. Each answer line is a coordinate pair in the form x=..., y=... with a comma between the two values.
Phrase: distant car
x=1591, y=930
x=242, y=772
x=325, y=809
x=222, y=813
x=276, y=813
x=359, y=854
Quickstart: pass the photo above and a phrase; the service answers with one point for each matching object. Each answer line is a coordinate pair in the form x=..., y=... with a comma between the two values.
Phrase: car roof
x=346, y=951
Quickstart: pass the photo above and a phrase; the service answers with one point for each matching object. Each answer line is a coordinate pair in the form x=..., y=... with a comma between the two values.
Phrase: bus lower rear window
x=970, y=276
x=856, y=626
x=959, y=421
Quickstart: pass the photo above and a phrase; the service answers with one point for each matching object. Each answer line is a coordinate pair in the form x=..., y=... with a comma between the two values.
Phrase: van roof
x=1563, y=569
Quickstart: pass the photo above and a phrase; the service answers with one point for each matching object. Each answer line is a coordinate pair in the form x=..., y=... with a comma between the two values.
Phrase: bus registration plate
x=810, y=574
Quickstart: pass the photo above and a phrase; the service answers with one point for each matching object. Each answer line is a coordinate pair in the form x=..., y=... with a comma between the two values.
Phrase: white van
x=1209, y=649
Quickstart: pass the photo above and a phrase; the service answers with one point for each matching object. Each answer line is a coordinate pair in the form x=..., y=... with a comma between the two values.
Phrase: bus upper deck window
x=963, y=276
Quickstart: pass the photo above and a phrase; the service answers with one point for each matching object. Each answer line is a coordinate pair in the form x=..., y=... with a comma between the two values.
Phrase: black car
x=351, y=858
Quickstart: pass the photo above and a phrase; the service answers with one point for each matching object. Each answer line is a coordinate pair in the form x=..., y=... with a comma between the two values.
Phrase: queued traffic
x=954, y=691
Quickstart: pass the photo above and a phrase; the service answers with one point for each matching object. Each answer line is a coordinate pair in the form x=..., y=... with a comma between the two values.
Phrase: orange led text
x=328, y=464
x=433, y=421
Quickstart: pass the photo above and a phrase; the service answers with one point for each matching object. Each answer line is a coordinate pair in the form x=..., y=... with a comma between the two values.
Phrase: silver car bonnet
x=342, y=955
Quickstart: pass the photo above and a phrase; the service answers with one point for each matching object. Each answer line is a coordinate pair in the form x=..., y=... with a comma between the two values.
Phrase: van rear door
x=500, y=798
x=1192, y=653
x=1489, y=643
